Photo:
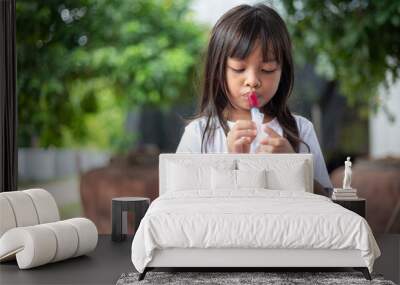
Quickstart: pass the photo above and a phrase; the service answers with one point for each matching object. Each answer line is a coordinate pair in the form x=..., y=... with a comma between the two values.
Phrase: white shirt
x=191, y=142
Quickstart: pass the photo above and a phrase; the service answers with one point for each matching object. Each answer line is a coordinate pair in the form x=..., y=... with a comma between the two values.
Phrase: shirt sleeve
x=191, y=140
x=309, y=136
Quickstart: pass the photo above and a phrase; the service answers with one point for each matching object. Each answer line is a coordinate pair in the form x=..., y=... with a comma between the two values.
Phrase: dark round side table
x=357, y=205
x=120, y=208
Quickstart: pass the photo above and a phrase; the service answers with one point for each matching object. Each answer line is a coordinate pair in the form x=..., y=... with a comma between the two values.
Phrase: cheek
x=270, y=87
x=233, y=83
x=273, y=84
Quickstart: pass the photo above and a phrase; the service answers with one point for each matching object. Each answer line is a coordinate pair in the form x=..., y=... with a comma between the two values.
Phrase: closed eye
x=237, y=70
x=242, y=69
x=268, y=71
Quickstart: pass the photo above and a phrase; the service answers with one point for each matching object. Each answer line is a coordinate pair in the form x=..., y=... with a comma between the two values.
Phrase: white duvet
x=250, y=219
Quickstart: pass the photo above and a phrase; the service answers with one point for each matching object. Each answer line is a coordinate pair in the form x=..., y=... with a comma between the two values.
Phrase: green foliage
x=356, y=43
x=103, y=128
x=71, y=54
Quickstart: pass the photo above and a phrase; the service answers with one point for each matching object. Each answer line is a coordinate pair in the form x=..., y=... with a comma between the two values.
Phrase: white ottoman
x=31, y=232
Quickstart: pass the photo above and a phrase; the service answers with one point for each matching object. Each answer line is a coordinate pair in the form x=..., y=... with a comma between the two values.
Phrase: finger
x=246, y=148
x=272, y=141
x=240, y=143
x=245, y=133
x=272, y=133
x=245, y=124
x=243, y=140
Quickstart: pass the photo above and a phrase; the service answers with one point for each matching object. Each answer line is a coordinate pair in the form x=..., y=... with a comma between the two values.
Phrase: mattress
x=250, y=219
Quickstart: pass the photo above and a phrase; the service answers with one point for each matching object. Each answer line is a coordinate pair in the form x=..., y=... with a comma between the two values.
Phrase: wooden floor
x=389, y=262
x=111, y=259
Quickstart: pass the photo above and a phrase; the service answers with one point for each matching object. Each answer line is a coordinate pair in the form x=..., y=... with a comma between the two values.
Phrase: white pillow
x=223, y=179
x=251, y=178
x=294, y=179
x=282, y=174
x=227, y=179
x=183, y=178
x=186, y=175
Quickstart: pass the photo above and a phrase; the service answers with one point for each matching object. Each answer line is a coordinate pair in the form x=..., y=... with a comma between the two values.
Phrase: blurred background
x=104, y=87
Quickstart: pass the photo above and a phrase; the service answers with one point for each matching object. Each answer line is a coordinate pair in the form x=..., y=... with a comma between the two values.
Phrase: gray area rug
x=226, y=278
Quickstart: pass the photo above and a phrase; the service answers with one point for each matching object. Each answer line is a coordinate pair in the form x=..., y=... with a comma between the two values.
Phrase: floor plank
x=111, y=259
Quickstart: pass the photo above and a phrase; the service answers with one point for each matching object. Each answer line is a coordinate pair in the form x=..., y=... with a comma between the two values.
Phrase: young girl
x=250, y=51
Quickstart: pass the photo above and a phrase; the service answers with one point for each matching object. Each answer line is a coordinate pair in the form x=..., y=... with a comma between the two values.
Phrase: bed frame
x=246, y=258
x=242, y=259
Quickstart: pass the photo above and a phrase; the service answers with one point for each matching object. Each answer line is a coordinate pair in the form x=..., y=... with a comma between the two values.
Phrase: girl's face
x=252, y=74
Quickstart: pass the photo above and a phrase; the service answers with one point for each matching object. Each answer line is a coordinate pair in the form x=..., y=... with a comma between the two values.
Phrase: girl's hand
x=240, y=136
x=274, y=143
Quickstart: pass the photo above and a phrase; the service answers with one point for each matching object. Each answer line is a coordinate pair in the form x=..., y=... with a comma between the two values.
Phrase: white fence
x=384, y=134
x=37, y=164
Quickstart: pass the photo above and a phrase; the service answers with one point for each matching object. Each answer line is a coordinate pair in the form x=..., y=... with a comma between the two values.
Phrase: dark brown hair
x=234, y=35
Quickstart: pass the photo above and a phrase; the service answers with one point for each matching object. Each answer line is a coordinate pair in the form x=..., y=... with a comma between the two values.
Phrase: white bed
x=215, y=211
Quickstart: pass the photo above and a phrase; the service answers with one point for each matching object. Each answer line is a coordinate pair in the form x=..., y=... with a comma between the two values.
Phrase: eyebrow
x=269, y=61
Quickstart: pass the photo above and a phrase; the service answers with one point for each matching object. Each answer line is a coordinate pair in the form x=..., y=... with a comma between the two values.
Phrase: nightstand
x=358, y=206
x=120, y=206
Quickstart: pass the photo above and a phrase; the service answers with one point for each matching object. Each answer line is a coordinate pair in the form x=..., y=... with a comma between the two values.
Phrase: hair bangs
x=245, y=38
x=272, y=45
x=252, y=30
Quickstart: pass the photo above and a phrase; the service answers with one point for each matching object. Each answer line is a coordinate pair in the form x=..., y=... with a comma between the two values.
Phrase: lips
x=253, y=100
x=249, y=93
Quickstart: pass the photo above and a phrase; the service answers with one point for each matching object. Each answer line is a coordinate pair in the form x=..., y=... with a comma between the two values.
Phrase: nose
x=252, y=80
